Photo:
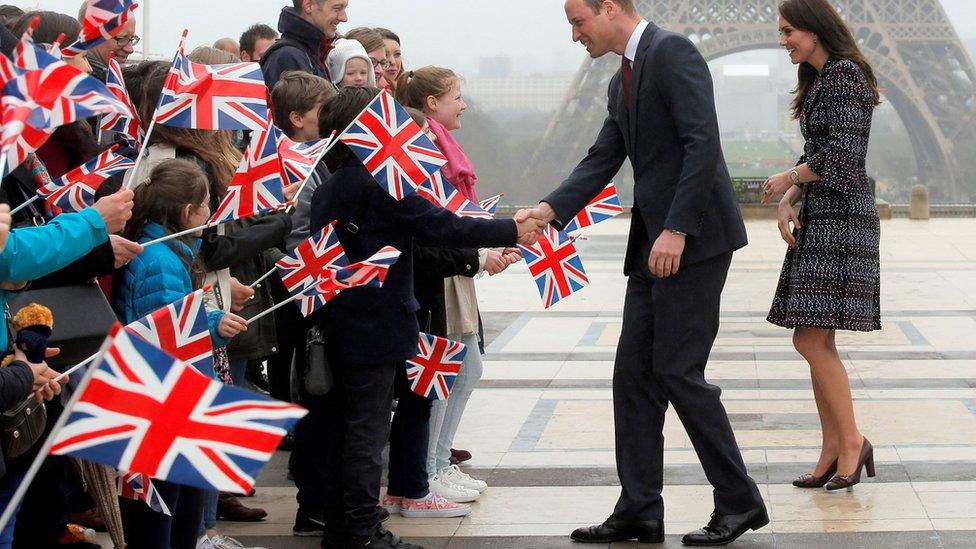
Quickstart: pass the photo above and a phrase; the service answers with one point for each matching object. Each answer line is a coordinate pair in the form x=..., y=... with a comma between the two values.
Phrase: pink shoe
x=393, y=504
x=433, y=506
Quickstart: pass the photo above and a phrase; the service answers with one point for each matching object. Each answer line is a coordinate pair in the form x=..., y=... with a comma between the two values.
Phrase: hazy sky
x=452, y=33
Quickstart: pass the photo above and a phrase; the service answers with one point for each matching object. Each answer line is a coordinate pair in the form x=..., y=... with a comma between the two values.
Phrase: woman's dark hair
x=51, y=26
x=214, y=148
x=172, y=185
x=820, y=18
x=387, y=34
x=337, y=113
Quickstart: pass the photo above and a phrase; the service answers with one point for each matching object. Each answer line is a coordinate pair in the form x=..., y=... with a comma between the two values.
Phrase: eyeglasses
x=384, y=64
x=126, y=40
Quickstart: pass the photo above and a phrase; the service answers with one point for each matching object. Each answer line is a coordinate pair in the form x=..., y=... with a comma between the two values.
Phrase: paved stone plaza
x=540, y=425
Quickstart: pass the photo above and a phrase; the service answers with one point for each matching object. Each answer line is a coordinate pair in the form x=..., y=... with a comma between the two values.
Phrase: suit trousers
x=669, y=325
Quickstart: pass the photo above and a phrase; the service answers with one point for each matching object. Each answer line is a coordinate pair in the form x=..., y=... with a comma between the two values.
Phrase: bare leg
x=830, y=443
x=828, y=372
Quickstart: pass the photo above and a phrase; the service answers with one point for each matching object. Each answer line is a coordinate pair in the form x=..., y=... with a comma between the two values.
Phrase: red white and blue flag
x=605, y=206
x=141, y=410
x=104, y=20
x=438, y=362
x=298, y=160
x=312, y=260
x=126, y=126
x=41, y=92
x=256, y=187
x=76, y=190
x=139, y=487
x=555, y=265
x=490, y=205
x=180, y=329
x=392, y=146
x=370, y=273
x=438, y=190
x=213, y=97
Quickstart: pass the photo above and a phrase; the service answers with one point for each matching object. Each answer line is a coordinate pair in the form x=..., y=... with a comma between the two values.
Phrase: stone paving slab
x=540, y=423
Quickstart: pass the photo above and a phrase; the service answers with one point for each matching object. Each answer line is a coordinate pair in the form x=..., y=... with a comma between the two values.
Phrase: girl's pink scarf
x=458, y=169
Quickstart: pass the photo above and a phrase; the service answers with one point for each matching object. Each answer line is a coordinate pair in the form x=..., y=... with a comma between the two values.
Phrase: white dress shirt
x=631, y=51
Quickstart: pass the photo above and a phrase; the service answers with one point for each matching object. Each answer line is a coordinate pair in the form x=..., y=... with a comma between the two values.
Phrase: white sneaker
x=450, y=491
x=457, y=476
x=433, y=506
x=227, y=542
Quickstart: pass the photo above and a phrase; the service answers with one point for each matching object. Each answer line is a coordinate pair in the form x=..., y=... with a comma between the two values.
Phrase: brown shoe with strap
x=810, y=481
x=865, y=461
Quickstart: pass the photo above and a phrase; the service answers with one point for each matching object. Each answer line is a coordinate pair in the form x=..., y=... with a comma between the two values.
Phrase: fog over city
x=518, y=61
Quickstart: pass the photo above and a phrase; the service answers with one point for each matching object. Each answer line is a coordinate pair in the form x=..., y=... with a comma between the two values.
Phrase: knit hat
x=340, y=55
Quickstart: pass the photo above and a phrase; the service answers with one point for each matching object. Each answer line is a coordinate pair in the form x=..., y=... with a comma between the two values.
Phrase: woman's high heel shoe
x=810, y=481
x=865, y=461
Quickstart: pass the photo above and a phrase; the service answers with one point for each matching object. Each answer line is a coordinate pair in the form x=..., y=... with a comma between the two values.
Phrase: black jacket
x=375, y=325
x=430, y=267
x=670, y=133
x=16, y=383
x=300, y=48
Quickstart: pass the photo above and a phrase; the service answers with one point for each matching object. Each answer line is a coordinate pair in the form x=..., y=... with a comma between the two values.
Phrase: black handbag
x=82, y=319
x=318, y=378
x=21, y=427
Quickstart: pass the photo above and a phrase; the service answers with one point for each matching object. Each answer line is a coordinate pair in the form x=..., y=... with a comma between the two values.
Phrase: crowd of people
x=319, y=80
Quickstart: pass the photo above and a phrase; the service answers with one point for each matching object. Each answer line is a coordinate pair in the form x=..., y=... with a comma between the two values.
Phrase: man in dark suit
x=685, y=225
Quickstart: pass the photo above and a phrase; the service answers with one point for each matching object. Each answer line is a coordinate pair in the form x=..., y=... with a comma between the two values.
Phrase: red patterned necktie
x=626, y=79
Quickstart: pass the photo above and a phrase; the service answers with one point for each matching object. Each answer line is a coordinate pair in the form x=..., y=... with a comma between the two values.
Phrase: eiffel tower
x=921, y=65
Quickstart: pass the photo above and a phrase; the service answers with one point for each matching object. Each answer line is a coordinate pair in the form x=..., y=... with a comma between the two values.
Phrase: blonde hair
x=206, y=55
x=423, y=83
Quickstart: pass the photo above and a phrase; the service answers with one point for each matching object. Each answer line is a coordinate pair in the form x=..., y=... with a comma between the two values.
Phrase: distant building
x=747, y=98
x=518, y=92
x=495, y=67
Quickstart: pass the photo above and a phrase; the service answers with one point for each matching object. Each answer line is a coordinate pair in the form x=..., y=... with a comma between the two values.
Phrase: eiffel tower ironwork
x=921, y=65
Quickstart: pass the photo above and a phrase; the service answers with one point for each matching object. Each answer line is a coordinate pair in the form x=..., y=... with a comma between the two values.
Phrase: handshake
x=531, y=221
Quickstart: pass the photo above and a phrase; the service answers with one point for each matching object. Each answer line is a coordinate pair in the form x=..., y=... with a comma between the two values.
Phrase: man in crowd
x=228, y=45
x=122, y=46
x=255, y=42
x=308, y=30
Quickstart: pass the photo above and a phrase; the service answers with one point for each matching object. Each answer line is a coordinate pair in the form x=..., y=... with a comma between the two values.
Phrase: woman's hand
x=785, y=216
x=124, y=250
x=46, y=382
x=239, y=295
x=231, y=325
x=776, y=185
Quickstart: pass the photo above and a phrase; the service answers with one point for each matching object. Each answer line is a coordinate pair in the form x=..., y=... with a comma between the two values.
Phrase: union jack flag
x=104, y=19
x=438, y=190
x=126, y=126
x=141, y=410
x=311, y=260
x=181, y=330
x=75, y=191
x=256, y=187
x=139, y=487
x=605, y=206
x=490, y=205
x=298, y=160
x=213, y=97
x=369, y=273
x=392, y=146
x=42, y=92
x=555, y=266
x=435, y=368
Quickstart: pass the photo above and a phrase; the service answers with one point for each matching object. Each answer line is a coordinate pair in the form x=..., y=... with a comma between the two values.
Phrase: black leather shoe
x=724, y=529
x=614, y=529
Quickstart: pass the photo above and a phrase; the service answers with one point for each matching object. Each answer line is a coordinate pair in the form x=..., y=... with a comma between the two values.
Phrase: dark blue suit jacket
x=670, y=133
x=375, y=325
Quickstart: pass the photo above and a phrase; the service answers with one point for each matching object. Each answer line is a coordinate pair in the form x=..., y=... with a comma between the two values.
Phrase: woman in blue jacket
x=174, y=198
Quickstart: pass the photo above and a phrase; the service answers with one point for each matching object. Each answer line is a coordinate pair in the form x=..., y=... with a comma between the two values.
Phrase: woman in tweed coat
x=830, y=279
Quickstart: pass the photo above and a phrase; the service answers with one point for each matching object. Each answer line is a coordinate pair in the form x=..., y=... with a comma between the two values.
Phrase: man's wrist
x=676, y=232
